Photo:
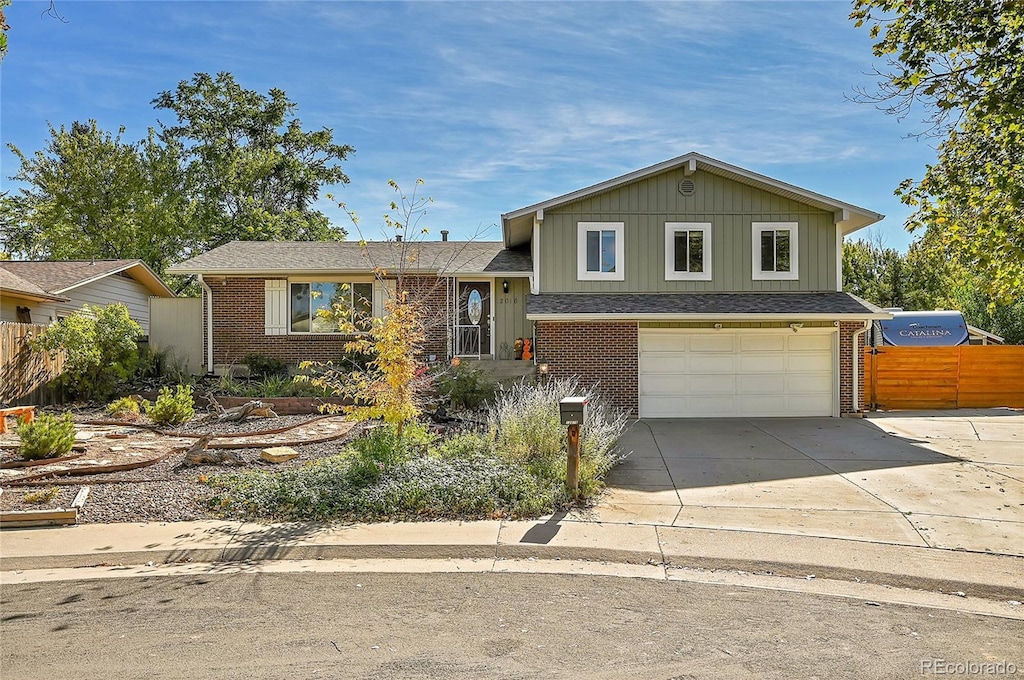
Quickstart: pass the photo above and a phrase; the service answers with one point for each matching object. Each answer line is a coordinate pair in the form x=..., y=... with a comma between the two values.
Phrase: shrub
x=42, y=496
x=126, y=408
x=465, y=387
x=262, y=366
x=466, y=445
x=271, y=386
x=527, y=428
x=473, y=488
x=418, y=487
x=515, y=469
x=101, y=349
x=383, y=449
x=172, y=408
x=319, y=490
x=47, y=436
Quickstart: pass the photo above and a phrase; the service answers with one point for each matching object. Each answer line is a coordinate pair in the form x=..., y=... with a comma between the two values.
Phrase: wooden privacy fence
x=25, y=374
x=966, y=376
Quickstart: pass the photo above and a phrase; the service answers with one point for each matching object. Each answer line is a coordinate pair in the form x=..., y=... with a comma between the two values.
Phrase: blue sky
x=495, y=105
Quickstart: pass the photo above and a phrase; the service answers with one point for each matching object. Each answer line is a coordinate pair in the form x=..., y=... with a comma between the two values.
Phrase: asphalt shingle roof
x=698, y=303
x=11, y=282
x=304, y=256
x=59, y=275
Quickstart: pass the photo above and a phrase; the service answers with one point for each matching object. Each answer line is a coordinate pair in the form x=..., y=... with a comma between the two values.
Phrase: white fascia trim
x=486, y=275
x=794, y=251
x=156, y=279
x=794, y=316
x=535, y=252
x=288, y=273
x=89, y=280
x=209, y=323
x=839, y=258
x=691, y=160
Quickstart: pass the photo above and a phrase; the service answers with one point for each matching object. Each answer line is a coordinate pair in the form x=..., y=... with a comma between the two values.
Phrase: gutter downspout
x=209, y=324
x=856, y=363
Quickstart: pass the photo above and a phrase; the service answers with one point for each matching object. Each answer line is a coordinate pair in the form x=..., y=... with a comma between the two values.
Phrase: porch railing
x=467, y=341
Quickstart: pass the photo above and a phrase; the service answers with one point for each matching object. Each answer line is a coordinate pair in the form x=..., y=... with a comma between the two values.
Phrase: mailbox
x=573, y=410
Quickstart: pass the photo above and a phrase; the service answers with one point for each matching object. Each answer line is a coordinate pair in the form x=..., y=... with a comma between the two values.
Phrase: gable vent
x=687, y=187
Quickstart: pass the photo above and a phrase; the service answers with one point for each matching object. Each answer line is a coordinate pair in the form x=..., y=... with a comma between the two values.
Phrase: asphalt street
x=376, y=625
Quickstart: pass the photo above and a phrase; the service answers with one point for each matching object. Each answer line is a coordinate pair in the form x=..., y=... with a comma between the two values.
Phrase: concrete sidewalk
x=976, y=575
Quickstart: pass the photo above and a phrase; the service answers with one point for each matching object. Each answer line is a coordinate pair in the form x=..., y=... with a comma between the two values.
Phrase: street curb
x=257, y=553
x=988, y=591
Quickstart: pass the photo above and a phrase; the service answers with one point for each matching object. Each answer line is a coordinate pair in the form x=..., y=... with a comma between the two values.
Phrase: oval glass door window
x=476, y=306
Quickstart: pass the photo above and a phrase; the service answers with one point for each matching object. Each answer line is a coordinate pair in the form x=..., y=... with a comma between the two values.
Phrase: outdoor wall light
x=504, y=286
x=796, y=326
x=542, y=369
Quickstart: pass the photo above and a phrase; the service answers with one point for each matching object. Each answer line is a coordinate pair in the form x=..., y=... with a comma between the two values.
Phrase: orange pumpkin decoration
x=527, y=353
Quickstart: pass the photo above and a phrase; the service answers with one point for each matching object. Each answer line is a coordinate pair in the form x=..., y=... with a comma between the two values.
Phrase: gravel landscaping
x=167, y=491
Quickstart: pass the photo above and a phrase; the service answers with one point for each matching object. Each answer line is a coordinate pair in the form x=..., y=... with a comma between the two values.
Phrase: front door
x=473, y=324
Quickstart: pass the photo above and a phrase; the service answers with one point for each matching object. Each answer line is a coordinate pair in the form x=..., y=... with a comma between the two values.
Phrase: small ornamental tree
x=101, y=345
x=394, y=384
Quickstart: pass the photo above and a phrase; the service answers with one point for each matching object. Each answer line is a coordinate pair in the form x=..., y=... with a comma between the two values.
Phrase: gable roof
x=696, y=306
x=517, y=225
x=352, y=257
x=59, y=276
x=14, y=286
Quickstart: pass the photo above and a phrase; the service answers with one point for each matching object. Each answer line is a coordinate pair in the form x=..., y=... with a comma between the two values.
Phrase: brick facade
x=432, y=293
x=604, y=354
x=238, y=324
x=847, y=356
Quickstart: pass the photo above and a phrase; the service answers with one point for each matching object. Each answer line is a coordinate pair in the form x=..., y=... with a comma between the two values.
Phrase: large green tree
x=235, y=165
x=961, y=63
x=255, y=173
x=928, y=277
x=887, y=278
x=89, y=194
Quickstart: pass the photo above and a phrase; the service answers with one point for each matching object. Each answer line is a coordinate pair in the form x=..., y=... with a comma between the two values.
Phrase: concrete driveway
x=947, y=479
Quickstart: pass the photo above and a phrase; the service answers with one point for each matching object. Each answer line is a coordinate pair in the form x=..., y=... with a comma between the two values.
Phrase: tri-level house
x=691, y=288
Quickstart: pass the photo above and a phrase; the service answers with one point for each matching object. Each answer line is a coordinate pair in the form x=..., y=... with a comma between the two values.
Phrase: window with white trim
x=774, y=249
x=600, y=251
x=309, y=302
x=687, y=251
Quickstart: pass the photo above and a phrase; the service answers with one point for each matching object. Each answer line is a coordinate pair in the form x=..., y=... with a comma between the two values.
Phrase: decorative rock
x=83, y=435
x=278, y=454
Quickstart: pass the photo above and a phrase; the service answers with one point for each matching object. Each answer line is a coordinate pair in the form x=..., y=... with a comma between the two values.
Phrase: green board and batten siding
x=510, y=314
x=646, y=205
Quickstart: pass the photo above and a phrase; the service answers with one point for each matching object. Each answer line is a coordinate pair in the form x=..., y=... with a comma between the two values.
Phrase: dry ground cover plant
x=513, y=467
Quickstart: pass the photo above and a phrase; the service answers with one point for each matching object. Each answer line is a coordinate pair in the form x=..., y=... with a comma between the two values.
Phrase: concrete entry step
x=502, y=369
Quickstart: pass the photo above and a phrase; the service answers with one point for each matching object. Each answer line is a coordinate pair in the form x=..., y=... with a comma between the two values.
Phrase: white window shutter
x=382, y=292
x=275, y=307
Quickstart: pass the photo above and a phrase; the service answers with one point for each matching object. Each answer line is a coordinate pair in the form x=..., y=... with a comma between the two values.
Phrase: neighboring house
x=45, y=291
x=689, y=288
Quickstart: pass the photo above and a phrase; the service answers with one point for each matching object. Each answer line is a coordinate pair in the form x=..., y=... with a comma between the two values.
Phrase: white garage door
x=754, y=372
